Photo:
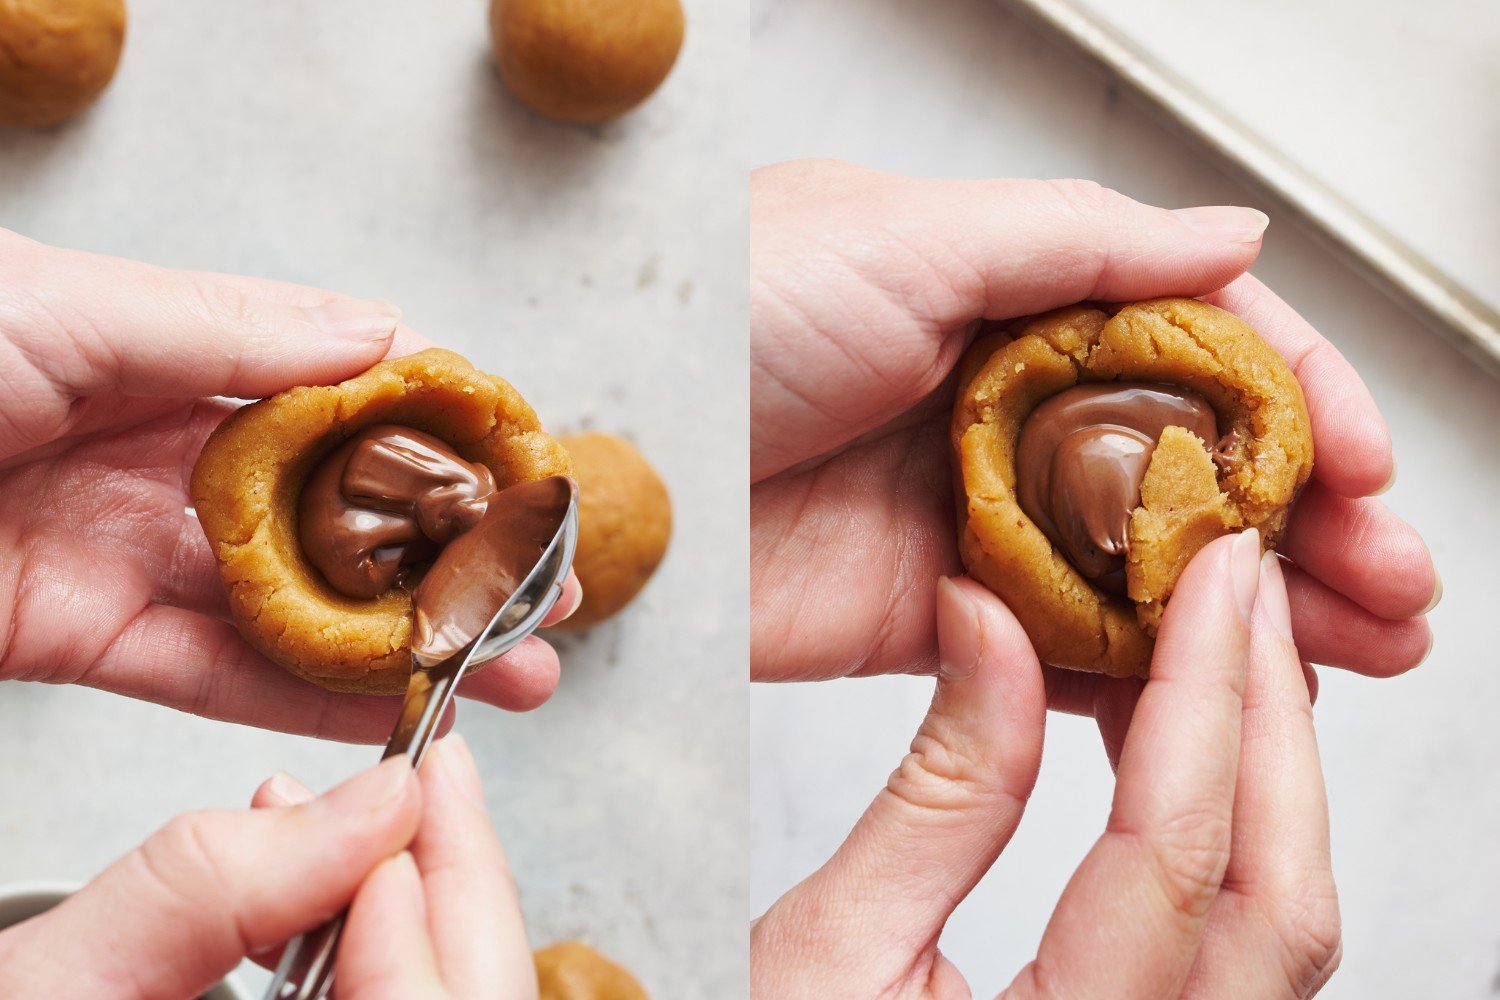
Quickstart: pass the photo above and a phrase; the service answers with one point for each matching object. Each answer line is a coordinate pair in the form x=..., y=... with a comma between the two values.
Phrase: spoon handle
x=306, y=968
x=428, y=695
x=305, y=971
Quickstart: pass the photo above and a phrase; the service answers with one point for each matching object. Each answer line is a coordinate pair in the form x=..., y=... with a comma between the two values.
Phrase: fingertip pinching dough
x=574, y=971
x=56, y=57
x=248, y=484
x=585, y=60
x=624, y=524
x=1057, y=427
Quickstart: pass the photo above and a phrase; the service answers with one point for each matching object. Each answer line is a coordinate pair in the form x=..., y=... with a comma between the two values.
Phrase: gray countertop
x=601, y=270
x=1392, y=105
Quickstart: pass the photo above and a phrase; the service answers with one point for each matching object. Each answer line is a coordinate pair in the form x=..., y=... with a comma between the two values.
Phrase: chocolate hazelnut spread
x=384, y=502
x=1080, y=460
x=482, y=568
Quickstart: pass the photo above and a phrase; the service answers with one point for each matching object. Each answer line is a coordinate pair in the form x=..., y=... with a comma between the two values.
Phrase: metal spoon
x=307, y=965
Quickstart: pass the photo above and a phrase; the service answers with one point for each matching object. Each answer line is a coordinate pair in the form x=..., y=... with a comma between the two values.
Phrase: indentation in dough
x=248, y=481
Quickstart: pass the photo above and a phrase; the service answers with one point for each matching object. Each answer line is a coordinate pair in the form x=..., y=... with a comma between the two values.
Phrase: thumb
x=937, y=255
x=945, y=814
x=92, y=324
x=179, y=912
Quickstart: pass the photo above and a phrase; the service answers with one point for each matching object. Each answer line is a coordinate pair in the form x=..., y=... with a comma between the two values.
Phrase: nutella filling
x=1080, y=460
x=384, y=503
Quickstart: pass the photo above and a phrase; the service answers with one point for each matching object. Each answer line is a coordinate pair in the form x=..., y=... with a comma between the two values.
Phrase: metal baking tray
x=1327, y=216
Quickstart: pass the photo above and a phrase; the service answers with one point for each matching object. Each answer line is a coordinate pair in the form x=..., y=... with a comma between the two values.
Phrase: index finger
x=1285, y=926
x=1131, y=919
x=473, y=910
x=1350, y=439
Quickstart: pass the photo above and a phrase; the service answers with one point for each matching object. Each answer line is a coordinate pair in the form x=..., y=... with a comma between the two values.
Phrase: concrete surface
x=371, y=149
x=1393, y=106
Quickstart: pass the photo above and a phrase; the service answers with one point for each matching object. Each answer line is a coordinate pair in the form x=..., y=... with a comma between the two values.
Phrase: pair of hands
x=1213, y=874
x=112, y=373
x=432, y=907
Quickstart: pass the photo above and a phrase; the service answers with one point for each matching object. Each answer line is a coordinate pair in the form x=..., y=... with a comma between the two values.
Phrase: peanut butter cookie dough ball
x=574, y=971
x=624, y=521
x=1097, y=453
x=249, y=484
x=585, y=60
x=56, y=57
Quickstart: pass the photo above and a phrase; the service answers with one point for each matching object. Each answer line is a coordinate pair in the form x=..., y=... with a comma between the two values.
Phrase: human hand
x=432, y=909
x=110, y=369
x=865, y=289
x=1212, y=877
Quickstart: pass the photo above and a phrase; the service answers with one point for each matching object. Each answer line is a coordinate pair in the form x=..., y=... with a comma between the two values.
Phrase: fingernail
x=1437, y=592
x=356, y=319
x=287, y=790
x=1431, y=642
x=959, y=641
x=1244, y=566
x=456, y=761
x=1389, y=482
x=1273, y=597
x=376, y=790
x=577, y=591
x=1228, y=223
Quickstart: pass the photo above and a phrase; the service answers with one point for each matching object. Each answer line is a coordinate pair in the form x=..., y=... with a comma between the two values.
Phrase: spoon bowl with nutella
x=489, y=587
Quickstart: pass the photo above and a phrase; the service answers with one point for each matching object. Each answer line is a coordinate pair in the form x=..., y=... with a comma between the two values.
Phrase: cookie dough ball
x=248, y=483
x=624, y=521
x=1192, y=489
x=585, y=60
x=56, y=56
x=574, y=971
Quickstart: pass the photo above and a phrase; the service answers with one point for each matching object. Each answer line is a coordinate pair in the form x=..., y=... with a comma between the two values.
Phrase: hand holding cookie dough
x=112, y=376
x=866, y=289
x=1119, y=472
x=214, y=887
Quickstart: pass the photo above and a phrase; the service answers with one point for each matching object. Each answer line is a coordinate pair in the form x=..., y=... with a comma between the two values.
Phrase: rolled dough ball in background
x=56, y=57
x=624, y=522
x=574, y=971
x=585, y=60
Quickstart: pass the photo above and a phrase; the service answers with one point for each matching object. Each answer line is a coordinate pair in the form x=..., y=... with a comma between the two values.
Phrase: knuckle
x=1309, y=927
x=1101, y=215
x=1086, y=199
x=183, y=860
x=936, y=776
x=1189, y=854
x=228, y=306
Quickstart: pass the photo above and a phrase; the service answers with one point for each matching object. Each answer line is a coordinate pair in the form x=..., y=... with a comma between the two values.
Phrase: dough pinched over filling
x=1187, y=499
